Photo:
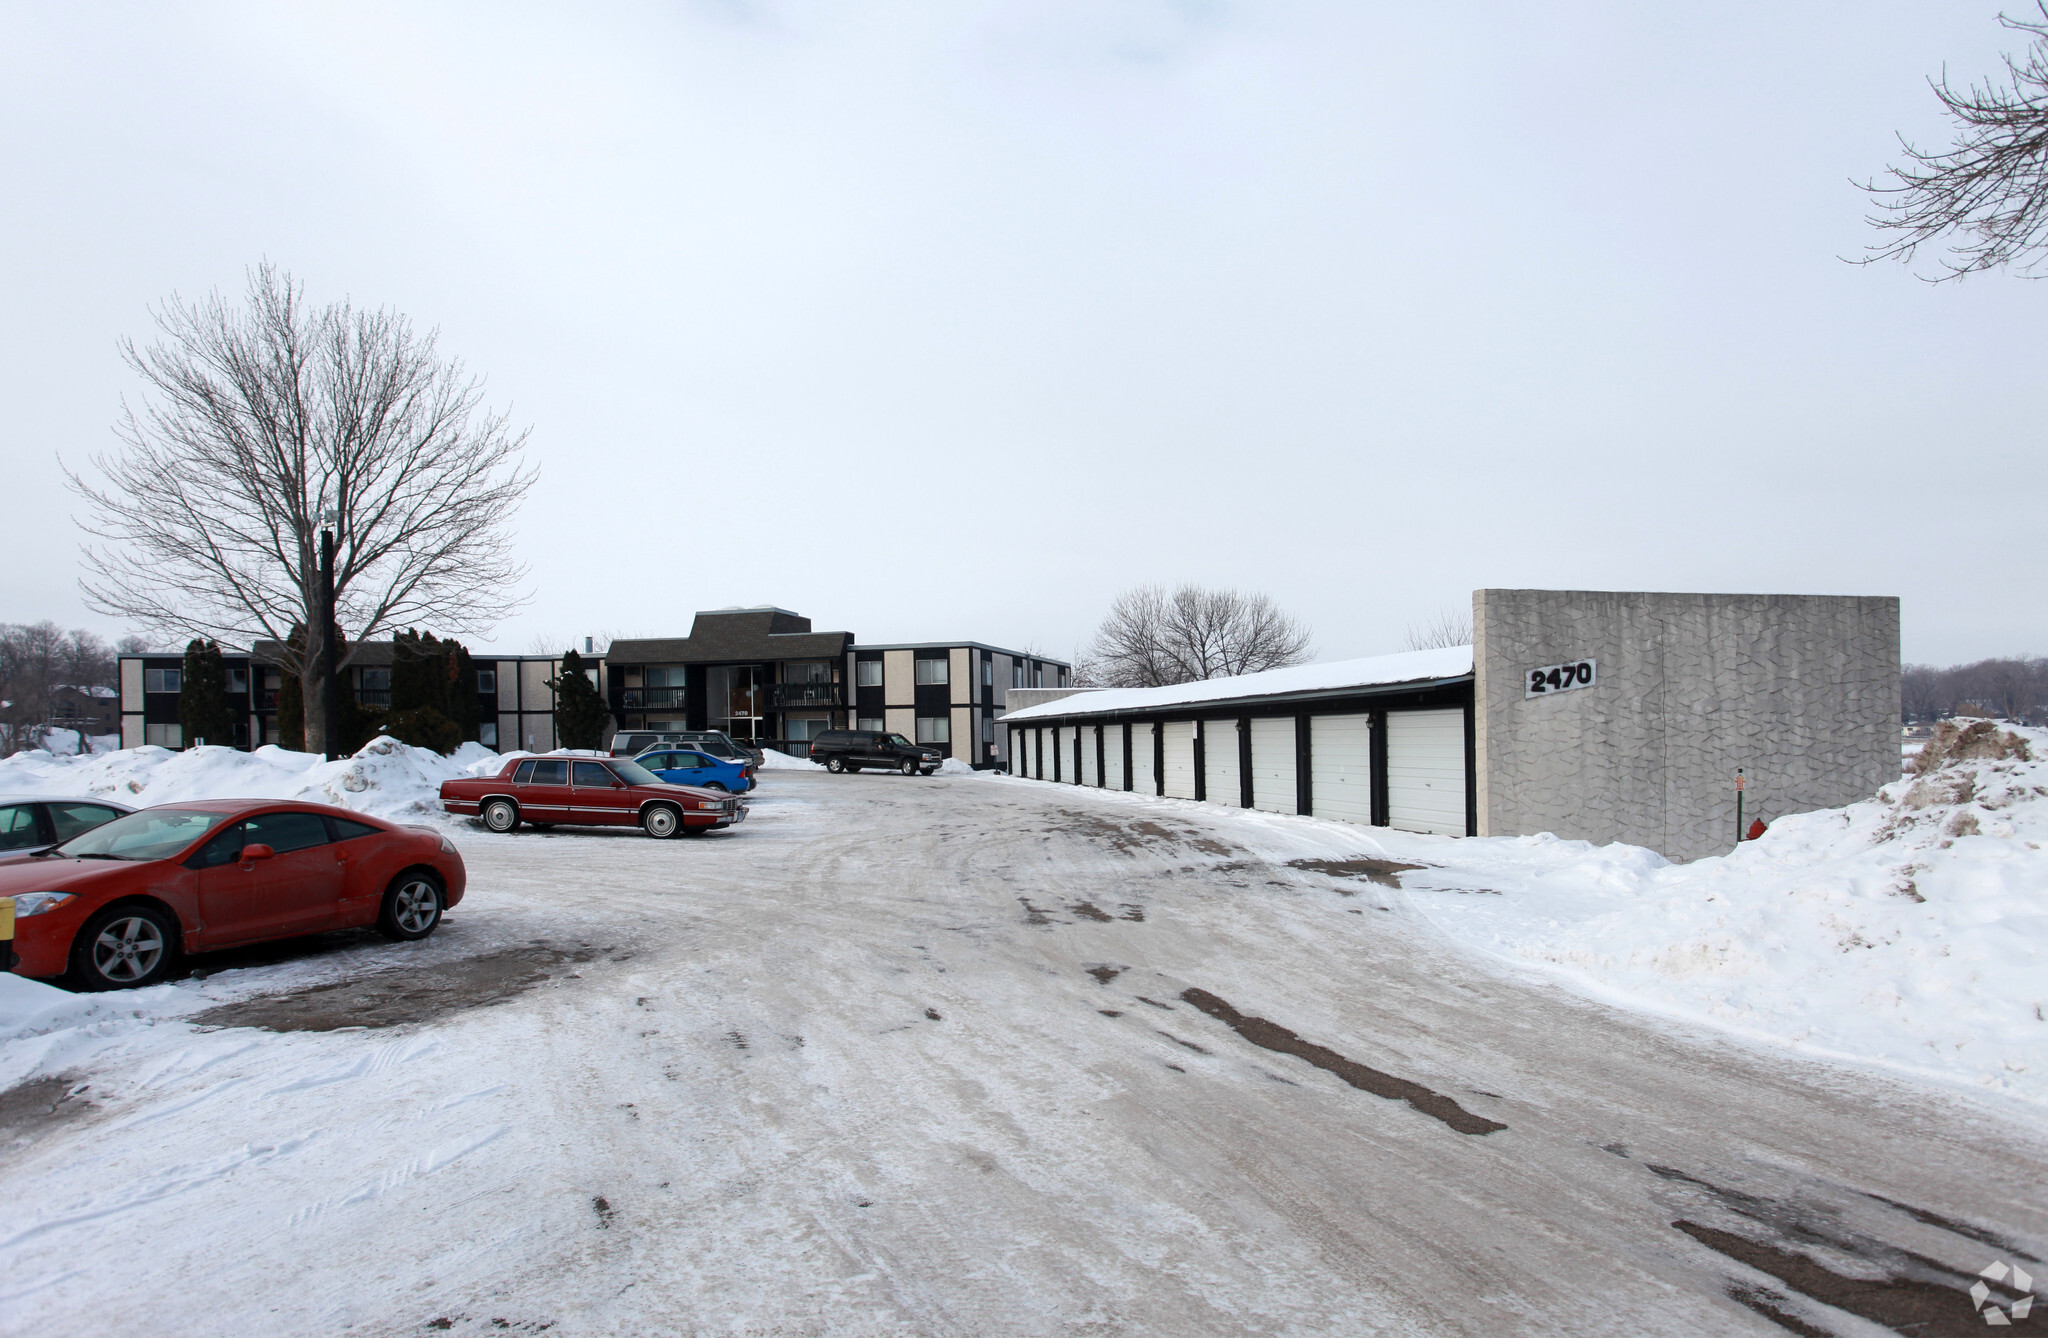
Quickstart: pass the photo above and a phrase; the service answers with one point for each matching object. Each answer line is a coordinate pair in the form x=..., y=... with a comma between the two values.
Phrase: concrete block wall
x=1801, y=691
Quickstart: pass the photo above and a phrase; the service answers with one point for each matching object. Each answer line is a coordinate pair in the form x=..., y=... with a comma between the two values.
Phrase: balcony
x=795, y=696
x=653, y=699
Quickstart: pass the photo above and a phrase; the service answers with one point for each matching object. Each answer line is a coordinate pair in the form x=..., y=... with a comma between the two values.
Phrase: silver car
x=31, y=824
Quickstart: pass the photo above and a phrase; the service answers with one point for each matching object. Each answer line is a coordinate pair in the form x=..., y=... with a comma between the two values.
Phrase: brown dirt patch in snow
x=1901, y=1289
x=1272, y=1036
x=393, y=998
x=1141, y=834
x=1906, y=1305
x=1385, y=872
x=31, y=1109
x=1980, y=740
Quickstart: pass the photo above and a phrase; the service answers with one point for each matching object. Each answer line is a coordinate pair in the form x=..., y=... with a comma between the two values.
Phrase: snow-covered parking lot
x=973, y=1055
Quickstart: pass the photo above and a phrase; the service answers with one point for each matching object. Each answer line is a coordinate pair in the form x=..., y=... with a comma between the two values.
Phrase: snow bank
x=387, y=778
x=1910, y=929
x=771, y=760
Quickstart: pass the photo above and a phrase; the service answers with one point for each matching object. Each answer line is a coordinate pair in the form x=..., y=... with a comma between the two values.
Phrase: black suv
x=851, y=749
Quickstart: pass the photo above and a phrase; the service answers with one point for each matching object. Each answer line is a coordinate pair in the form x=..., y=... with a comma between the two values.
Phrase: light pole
x=330, y=654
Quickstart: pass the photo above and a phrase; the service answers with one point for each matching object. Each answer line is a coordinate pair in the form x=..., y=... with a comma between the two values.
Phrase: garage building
x=1596, y=715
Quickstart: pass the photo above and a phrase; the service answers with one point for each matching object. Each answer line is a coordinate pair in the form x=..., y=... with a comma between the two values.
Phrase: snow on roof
x=1414, y=666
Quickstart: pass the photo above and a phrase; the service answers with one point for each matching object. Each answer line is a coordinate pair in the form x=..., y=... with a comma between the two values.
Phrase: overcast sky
x=939, y=321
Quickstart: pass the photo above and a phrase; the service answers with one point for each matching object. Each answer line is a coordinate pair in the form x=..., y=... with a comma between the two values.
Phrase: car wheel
x=412, y=907
x=124, y=947
x=501, y=815
x=835, y=765
x=909, y=767
x=714, y=785
x=661, y=822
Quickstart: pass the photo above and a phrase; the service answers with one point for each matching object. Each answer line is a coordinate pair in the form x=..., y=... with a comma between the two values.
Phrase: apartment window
x=1037, y=675
x=873, y=722
x=988, y=673
x=487, y=685
x=1017, y=673
x=163, y=680
x=1063, y=678
x=164, y=736
x=807, y=671
x=374, y=687
x=238, y=680
x=988, y=729
x=487, y=734
x=664, y=676
x=867, y=674
x=931, y=671
x=934, y=729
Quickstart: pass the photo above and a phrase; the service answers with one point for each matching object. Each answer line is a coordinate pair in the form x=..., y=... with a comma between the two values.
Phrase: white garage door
x=1113, y=757
x=1224, y=783
x=1426, y=771
x=1180, y=759
x=1340, y=767
x=1142, y=778
x=1041, y=766
x=1090, y=735
x=1273, y=764
x=1061, y=763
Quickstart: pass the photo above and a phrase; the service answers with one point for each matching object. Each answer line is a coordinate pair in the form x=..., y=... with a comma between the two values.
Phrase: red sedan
x=116, y=906
x=583, y=792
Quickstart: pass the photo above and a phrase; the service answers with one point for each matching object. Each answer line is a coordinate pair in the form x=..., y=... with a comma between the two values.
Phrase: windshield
x=896, y=739
x=151, y=834
x=633, y=773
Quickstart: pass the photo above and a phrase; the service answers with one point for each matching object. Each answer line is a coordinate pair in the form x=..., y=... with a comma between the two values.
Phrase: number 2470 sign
x=1558, y=678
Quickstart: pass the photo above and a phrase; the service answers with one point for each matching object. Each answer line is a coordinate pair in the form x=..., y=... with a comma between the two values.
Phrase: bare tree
x=1450, y=627
x=1152, y=638
x=1990, y=190
x=261, y=420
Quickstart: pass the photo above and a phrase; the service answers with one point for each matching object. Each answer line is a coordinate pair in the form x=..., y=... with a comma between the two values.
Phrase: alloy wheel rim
x=661, y=821
x=128, y=949
x=417, y=907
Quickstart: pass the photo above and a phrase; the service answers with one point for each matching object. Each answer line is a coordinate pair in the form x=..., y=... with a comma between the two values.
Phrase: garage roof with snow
x=1409, y=669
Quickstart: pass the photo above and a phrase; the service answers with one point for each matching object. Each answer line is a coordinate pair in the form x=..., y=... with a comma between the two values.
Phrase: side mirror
x=256, y=851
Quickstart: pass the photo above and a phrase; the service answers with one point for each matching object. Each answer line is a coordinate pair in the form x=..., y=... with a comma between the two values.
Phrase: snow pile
x=387, y=778
x=1910, y=929
x=771, y=760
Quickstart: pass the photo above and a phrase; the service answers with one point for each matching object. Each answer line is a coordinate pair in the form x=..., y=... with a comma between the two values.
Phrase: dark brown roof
x=736, y=635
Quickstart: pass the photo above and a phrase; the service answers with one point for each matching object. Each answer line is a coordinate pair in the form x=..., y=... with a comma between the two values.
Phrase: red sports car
x=611, y=792
x=115, y=906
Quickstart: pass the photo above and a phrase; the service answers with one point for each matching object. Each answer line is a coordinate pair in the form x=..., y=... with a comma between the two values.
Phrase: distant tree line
x=38, y=659
x=2011, y=689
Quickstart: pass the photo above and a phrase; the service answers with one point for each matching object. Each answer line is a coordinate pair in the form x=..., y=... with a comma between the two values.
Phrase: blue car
x=687, y=766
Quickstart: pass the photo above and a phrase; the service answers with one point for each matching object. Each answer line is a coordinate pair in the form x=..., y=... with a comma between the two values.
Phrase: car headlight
x=447, y=846
x=36, y=903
